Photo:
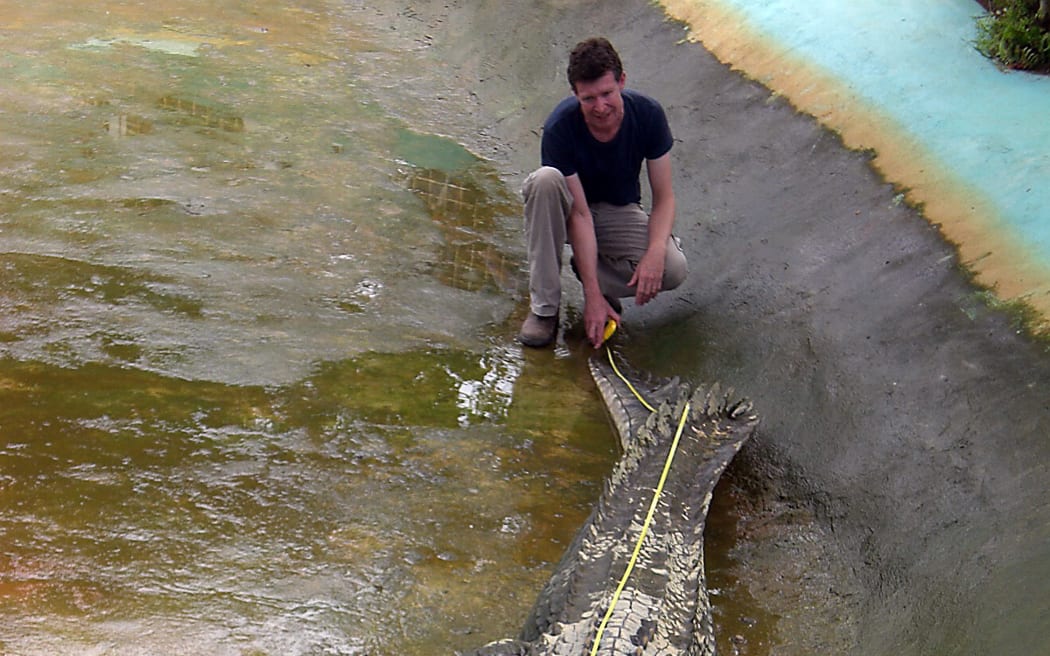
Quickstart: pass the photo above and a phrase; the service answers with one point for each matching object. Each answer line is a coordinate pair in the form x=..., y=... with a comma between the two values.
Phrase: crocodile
x=662, y=607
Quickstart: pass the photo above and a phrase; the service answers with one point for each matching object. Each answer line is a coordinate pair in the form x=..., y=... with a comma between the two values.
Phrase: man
x=587, y=192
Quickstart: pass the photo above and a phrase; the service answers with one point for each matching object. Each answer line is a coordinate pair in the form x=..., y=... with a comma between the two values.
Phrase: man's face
x=602, y=104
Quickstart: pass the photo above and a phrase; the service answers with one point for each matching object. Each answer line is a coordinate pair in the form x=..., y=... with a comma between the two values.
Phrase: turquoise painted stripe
x=915, y=60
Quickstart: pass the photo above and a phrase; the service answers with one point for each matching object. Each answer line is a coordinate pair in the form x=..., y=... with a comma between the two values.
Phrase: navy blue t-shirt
x=608, y=171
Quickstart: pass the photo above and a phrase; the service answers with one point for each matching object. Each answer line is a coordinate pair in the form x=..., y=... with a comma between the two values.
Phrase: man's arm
x=648, y=275
x=596, y=310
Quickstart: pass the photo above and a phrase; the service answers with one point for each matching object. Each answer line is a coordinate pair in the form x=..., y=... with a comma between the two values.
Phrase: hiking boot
x=538, y=331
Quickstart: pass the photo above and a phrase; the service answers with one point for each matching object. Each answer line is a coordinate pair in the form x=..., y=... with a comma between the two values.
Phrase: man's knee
x=545, y=179
x=676, y=268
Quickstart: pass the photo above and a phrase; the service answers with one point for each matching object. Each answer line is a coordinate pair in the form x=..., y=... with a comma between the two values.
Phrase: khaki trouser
x=622, y=233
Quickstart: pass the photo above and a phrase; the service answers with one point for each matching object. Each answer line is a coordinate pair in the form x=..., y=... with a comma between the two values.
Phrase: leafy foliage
x=1014, y=34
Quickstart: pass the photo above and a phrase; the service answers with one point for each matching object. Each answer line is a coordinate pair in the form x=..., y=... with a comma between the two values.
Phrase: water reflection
x=490, y=397
x=204, y=113
x=465, y=215
x=127, y=125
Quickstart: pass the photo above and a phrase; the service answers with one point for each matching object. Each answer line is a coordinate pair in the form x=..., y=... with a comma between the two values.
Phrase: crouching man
x=587, y=192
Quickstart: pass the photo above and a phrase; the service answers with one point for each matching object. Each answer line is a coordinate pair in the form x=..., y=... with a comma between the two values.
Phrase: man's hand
x=648, y=278
x=596, y=312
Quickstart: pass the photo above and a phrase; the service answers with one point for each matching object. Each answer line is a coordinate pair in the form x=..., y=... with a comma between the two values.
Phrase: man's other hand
x=648, y=277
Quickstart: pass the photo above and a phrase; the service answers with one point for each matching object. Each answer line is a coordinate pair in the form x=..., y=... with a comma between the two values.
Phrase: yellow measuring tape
x=626, y=382
x=652, y=505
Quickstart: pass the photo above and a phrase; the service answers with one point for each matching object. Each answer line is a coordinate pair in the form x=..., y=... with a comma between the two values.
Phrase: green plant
x=1013, y=34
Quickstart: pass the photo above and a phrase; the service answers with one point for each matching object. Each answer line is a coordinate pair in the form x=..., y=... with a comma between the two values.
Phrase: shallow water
x=342, y=514
x=235, y=184
x=257, y=390
x=249, y=404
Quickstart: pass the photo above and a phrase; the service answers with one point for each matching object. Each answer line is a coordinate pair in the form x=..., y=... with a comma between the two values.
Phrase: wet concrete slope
x=912, y=416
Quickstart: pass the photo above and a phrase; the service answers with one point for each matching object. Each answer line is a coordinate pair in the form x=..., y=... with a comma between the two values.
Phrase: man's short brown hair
x=591, y=59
